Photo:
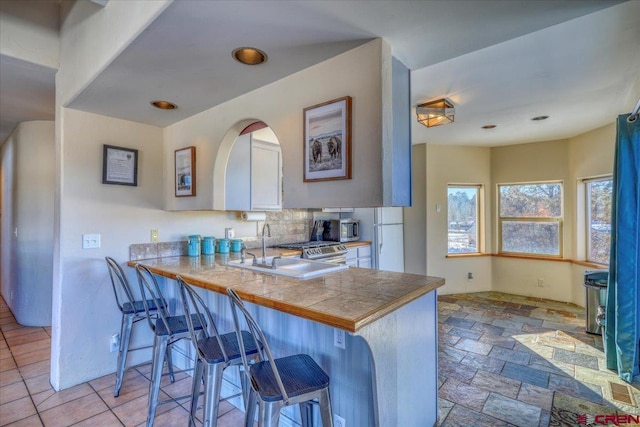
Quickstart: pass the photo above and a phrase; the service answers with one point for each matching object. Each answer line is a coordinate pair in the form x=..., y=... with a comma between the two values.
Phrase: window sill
x=535, y=257
x=591, y=264
x=469, y=255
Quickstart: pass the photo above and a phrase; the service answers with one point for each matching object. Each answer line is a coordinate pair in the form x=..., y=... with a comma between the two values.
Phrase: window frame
x=479, y=218
x=525, y=219
x=587, y=215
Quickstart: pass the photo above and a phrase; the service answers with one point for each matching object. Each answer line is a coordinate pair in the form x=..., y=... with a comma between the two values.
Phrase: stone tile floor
x=503, y=357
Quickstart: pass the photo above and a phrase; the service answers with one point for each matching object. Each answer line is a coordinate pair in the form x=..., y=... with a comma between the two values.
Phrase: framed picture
x=327, y=141
x=119, y=166
x=185, y=161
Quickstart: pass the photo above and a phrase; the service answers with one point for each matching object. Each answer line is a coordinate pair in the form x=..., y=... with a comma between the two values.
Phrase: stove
x=326, y=251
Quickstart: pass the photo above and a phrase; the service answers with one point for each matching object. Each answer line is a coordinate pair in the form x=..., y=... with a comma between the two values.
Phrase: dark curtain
x=622, y=328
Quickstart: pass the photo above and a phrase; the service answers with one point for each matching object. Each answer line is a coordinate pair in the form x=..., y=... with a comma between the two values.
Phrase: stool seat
x=300, y=374
x=178, y=325
x=136, y=307
x=210, y=349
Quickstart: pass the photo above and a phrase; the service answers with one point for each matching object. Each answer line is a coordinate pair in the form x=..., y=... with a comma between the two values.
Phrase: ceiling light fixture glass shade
x=249, y=55
x=436, y=113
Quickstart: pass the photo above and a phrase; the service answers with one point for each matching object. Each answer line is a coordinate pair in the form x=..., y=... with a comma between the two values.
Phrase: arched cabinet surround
x=252, y=171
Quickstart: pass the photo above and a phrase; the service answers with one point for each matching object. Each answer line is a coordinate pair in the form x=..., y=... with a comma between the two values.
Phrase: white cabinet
x=254, y=175
x=359, y=256
x=266, y=176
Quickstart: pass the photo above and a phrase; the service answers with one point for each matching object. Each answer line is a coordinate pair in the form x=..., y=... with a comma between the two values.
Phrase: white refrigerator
x=384, y=228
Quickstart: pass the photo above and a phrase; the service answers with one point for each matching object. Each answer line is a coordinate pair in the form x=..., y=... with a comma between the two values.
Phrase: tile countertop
x=347, y=299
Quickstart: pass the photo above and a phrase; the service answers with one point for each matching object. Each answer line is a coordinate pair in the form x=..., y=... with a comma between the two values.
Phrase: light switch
x=90, y=241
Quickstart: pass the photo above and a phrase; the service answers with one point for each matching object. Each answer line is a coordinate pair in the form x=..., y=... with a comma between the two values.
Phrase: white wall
x=415, y=216
x=591, y=155
x=570, y=161
x=583, y=156
x=26, y=245
x=85, y=312
x=92, y=36
x=456, y=165
x=29, y=31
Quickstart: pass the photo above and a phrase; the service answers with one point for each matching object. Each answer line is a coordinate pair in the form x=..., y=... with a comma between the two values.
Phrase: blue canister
x=208, y=245
x=236, y=245
x=223, y=246
x=194, y=245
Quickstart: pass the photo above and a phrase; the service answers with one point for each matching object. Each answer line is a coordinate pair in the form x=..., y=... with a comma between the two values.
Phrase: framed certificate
x=119, y=166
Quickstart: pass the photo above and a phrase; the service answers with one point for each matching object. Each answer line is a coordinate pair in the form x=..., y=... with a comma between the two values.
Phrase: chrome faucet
x=264, y=243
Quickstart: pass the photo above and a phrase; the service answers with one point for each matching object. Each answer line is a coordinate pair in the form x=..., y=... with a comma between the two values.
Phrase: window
x=530, y=218
x=598, y=222
x=463, y=214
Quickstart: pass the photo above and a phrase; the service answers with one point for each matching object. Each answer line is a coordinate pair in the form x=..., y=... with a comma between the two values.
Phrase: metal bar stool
x=276, y=383
x=132, y=312
x=167, y=331
x=215, y=353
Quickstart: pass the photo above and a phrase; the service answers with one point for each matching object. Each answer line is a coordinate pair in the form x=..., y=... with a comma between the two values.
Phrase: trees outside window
x=530, y=218
x=463, y=214
x=598, y=222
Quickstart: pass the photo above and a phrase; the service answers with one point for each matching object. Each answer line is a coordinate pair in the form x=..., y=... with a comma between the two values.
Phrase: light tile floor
x=501, y=359
x=27, y=398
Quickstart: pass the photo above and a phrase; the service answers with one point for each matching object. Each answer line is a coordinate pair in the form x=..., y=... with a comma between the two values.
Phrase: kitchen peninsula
x=383, y=373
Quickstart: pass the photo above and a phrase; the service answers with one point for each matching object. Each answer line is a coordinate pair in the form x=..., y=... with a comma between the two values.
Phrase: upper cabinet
x=380, y=157
x=254, y=173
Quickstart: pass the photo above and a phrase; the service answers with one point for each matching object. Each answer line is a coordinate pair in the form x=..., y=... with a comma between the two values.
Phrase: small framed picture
x=185, y=162
x=119, y=166
x=327, y=141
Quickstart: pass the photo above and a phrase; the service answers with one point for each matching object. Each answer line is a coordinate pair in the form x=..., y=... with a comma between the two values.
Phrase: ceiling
x=500, y=62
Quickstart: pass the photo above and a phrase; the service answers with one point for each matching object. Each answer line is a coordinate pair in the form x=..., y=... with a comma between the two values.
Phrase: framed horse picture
x=327, y=141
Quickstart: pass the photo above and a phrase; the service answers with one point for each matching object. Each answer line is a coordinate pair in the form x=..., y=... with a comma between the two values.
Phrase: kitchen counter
x=348, y=299
x=383, y=370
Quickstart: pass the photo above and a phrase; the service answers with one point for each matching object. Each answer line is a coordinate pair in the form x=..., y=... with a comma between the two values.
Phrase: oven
x=332, y=252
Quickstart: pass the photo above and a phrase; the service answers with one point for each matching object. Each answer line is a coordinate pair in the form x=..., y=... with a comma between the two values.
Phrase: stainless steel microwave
x=341, y=230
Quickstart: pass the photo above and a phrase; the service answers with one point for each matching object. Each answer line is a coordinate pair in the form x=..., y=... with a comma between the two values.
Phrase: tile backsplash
x=287, y=226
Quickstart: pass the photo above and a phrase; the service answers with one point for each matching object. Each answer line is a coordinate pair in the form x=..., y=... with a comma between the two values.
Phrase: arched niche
x=262, y=140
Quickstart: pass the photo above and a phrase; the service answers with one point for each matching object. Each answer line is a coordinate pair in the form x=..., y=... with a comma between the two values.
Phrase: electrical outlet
x=338, y=421
x=339, y=338
x=155, y=236
x=469, y=276
x=114, y=344
x=90, y=241
x=541, y=283
x=229, y=233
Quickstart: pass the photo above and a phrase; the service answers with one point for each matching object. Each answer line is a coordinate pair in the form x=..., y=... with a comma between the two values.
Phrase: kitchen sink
x=298, y=268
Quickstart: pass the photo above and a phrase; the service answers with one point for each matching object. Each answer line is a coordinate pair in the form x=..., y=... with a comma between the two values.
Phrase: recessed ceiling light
x=249, y=55
x=164, y=105
x=538, y=118
x=488, y=126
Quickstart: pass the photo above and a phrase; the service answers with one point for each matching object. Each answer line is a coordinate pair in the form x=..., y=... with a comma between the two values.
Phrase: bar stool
x=132, y=312
x=215, y=353
x=167, y=331
x=277, y=383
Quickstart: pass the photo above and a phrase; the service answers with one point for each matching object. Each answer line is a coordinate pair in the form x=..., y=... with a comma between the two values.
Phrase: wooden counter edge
x=305, y=312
